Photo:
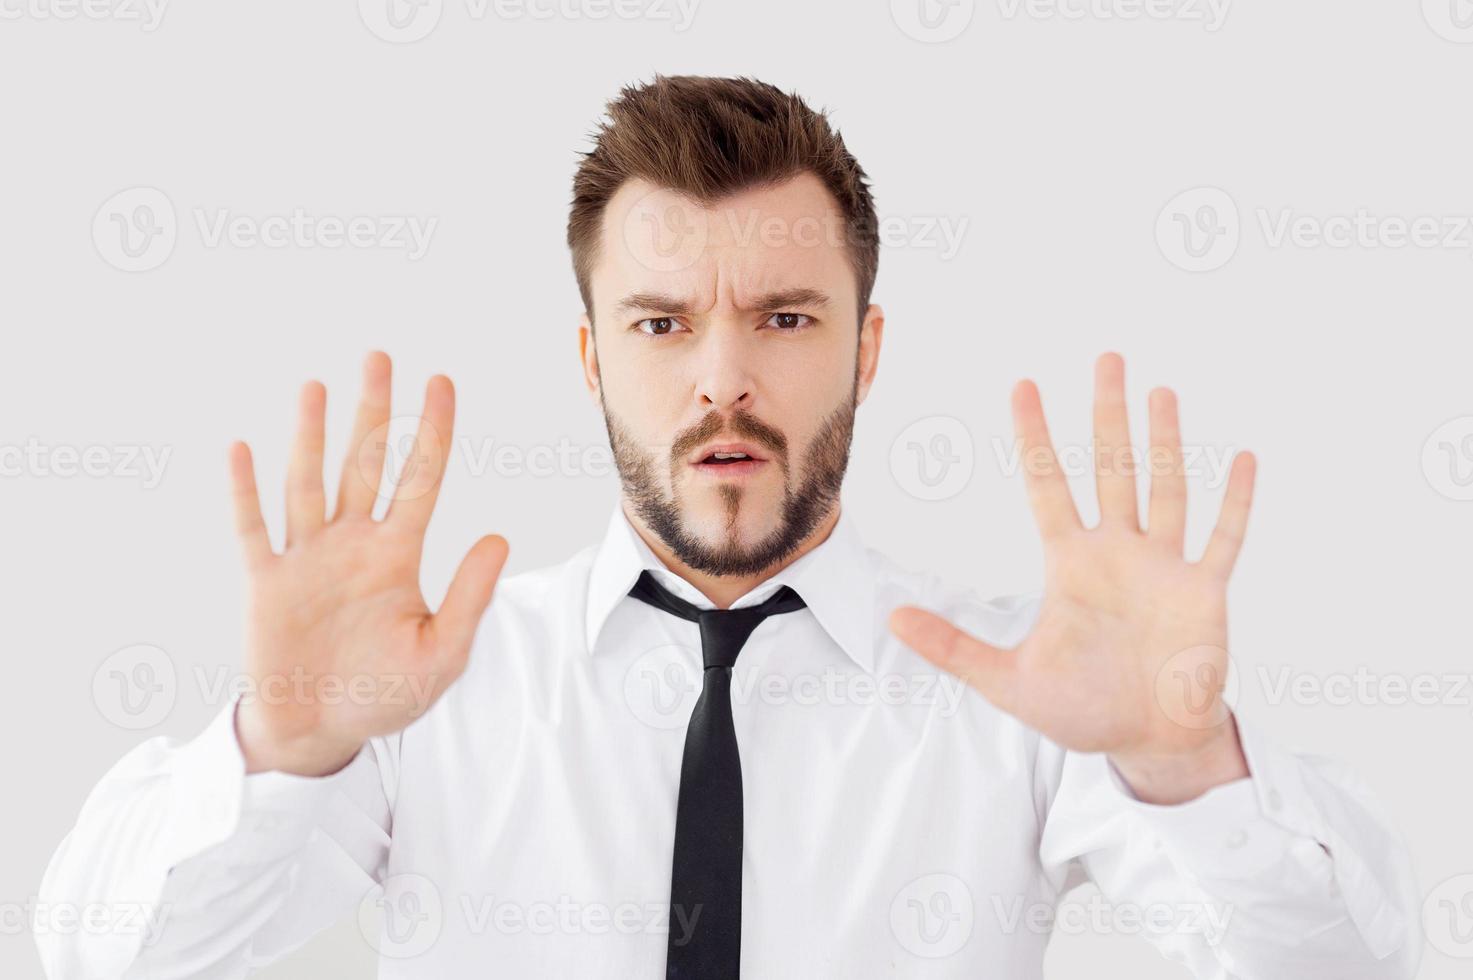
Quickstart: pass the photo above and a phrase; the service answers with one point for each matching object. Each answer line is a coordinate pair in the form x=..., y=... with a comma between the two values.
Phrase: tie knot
x=723, y=631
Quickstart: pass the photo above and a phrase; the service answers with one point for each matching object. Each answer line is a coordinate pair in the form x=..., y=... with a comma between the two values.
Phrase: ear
x=871, y=332
x=588, y=355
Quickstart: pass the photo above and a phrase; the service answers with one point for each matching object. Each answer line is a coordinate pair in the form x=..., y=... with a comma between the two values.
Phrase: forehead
x=757, y=241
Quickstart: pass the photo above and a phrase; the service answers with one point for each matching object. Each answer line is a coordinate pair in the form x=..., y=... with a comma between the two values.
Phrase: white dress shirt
x=896, y=824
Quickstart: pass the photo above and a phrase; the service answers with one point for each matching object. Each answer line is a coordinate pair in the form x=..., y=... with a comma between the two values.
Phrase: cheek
x=647, y=402
x=816, y=378
x=621, y=372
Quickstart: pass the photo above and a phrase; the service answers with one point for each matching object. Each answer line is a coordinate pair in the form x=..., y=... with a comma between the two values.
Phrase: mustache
x=739, y=425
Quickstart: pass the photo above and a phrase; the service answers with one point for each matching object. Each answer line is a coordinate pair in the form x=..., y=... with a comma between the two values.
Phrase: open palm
x=341, y=645
x=1129, y=652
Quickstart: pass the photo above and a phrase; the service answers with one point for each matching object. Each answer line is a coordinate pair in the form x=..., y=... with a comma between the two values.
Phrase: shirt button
x=1275, y=801
x=1237, y=839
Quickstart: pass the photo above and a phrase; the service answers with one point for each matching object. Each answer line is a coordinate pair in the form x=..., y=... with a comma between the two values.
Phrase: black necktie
x=706, y=878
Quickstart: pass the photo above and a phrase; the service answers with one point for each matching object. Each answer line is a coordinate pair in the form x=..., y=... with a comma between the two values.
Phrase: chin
x=711, y=523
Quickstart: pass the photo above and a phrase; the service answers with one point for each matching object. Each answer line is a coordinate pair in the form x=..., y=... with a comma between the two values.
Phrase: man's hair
x=706, y=138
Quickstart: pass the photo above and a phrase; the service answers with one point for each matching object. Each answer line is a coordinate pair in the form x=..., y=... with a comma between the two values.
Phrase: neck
x=723, y=590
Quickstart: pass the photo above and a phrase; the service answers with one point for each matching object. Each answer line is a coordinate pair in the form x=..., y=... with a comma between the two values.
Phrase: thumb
x=990, y=670
x=470, y=592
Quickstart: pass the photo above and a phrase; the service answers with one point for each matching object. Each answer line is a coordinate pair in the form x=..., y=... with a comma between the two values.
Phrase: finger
x=249, y=523
x=1048, y=491
x=470, y=592
x=1114, y=467
x=305, y=504
x=363, y=469
x=419, y=481
x=1167, y=519
x=990, y=670
x=1232, y=522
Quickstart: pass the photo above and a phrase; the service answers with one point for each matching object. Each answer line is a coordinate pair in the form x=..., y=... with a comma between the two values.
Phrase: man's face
x=733, y=324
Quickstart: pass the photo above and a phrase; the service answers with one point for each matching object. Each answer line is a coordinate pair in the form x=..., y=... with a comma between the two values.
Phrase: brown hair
x=707, y=138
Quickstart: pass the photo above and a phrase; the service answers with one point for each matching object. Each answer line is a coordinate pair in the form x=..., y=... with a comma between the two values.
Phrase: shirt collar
x=833, y=578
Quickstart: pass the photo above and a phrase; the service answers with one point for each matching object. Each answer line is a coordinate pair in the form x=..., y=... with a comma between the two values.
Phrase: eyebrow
x=770, y=302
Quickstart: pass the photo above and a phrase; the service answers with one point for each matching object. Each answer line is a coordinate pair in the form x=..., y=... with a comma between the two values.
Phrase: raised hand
x=340, y=644
x=1129, y=652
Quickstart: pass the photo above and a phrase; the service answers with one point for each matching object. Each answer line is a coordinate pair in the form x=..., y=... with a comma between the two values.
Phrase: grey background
x=1058, y=141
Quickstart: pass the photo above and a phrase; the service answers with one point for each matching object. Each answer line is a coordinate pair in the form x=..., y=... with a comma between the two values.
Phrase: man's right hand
x=340, y=644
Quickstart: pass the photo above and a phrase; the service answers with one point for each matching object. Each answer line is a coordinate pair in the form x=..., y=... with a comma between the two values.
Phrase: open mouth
x=728, y=464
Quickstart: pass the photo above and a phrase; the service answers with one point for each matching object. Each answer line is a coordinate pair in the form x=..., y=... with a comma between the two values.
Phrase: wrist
x=310, y=754
x=1168, y=778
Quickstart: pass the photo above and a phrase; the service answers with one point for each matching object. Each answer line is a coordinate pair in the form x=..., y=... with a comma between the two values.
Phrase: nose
x=725, y=381
x=711, y=398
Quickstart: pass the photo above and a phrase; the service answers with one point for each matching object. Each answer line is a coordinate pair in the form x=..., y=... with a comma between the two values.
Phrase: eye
x=790, y=322
x=659, y=326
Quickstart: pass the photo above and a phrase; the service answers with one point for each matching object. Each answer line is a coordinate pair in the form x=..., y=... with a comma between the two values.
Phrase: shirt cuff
x=212, y=799
x=1239, y=829
x=1256, y=826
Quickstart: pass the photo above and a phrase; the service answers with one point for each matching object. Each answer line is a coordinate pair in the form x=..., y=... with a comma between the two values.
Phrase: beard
x=804, y=507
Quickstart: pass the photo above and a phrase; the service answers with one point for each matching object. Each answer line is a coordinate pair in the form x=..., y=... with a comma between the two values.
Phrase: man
x=658, y=756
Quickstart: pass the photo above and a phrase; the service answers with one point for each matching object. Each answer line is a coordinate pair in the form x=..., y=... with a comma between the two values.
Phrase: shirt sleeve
x=1290, y=872
x=199, y=869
